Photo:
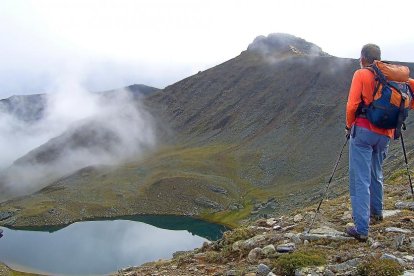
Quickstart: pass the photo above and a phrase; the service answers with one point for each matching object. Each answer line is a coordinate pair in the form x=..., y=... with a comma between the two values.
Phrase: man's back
x=362, y=88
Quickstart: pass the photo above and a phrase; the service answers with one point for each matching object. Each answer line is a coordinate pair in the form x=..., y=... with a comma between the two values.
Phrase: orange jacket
x=362, y=89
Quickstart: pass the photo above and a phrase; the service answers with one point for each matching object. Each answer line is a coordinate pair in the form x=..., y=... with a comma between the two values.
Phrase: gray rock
x=392, y=257
x=398, y=230
x=235, y=206
x=348, y=265
x=408, y=205
x=325, y=233
x=271, y=274
x=237, y=246
x=296, y=239
x=5, y=215
x=286, y=248
x=408, y=273
x=376, y=245
x=207, y=203
x=390, y=213
x=412, y=243
x=180, y=253
x=398, y=241
x=312, y=271
x=347, y=216
x=328, y=273
x=270, y=222
x=262, y=270
x=217, y=189
x=409, y=258
x=268, y=250
x=253, y=242
x=277, y=227
x=298, y=218
x=287, y=228
x=231, y=273
x=254, y=255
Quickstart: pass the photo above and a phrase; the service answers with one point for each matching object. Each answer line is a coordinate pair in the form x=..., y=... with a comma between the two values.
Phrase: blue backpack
x=392, y=97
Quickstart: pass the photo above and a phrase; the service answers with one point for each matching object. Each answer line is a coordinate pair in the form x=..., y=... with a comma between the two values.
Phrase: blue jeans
x=367, y=151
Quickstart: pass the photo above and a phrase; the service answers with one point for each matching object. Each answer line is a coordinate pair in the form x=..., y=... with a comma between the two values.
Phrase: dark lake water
x=102, y=247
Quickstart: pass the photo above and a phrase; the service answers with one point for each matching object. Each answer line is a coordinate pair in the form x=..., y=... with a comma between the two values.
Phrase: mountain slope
x=257, y=134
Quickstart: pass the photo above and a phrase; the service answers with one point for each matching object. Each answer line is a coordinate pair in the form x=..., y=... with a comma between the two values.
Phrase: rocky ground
x=284, y=246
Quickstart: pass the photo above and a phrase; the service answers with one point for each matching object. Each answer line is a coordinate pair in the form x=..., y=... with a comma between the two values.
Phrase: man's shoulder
x=365, y=74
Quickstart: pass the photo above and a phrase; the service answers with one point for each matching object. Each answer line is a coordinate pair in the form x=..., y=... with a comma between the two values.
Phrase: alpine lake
x=101, y=247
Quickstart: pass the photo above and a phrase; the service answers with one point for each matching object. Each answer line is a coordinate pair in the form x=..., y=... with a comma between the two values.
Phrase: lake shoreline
x=123, y=234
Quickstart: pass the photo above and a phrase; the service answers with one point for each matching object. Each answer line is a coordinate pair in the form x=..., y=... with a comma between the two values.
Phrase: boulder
x=286, y=248
x=254, y=255
x=268, y=250
x=253, y=242
x=262, y=270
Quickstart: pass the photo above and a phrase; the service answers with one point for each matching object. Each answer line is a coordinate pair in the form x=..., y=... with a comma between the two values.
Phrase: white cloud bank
x=78, y=129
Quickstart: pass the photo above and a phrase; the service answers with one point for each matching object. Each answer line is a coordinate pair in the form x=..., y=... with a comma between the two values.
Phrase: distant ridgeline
x=31, y=108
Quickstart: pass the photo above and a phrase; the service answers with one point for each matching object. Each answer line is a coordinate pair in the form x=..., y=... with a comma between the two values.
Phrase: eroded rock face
x=279, y=43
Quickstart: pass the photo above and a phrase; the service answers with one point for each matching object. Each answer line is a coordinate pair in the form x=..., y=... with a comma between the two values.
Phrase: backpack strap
x=377, y=80
x=379, y=77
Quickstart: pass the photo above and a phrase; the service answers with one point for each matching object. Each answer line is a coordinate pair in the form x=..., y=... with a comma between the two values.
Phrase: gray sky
x=108, y=44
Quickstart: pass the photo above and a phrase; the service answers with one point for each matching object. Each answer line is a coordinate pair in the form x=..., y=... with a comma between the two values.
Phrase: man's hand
x=347, y=132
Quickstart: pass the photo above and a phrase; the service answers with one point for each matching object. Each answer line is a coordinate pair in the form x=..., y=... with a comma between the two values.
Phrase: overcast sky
x=107, y=44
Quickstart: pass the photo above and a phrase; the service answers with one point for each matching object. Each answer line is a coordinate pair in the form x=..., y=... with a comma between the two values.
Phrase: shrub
x=287, y=264
x=213, y=257
x=380, y=267
x=242, y=233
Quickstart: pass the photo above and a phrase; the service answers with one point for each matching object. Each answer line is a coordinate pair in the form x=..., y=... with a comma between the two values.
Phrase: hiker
x=367, y=148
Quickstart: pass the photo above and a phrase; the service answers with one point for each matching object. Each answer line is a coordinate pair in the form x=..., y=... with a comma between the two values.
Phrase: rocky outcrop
x=280, y=43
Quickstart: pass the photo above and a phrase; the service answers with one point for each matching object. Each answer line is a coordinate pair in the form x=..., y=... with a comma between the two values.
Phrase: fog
x=77, y=129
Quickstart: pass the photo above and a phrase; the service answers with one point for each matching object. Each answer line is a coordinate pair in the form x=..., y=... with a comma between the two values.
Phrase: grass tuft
x=287, y=264
x=380, y=267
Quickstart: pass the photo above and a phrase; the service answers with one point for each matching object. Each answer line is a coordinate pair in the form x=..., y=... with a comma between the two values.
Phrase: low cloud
x=77, y=129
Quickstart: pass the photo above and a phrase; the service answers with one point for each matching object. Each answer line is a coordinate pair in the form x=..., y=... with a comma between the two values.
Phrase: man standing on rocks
x=367, y=148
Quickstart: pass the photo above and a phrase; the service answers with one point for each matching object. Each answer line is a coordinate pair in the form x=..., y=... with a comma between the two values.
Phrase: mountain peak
x=282, y=44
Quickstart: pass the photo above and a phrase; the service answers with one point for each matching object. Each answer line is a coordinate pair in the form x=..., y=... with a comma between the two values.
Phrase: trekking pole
x=329, y=182
x=406, y=166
